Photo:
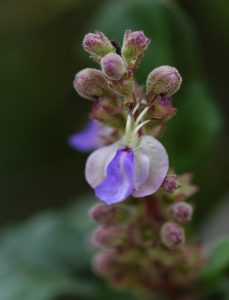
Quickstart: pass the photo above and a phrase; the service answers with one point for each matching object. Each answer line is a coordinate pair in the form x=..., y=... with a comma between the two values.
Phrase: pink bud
x=134, y=45
x=113, y=66
x=90, y=83
x=108, y=236
x=182, y=212
x=102, y=262
x=164, y=80
x=170, y=183
x=97, y=44
x=172, y=235
x=103, y=213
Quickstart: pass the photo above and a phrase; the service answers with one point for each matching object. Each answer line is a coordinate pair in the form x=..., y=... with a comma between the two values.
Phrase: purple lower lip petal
x=86, y=140
x=118, y=183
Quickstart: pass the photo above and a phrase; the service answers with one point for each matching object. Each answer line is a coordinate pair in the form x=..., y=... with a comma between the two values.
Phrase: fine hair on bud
x=134, y=44
x=102, y=262
x=108, y=236
x=172, y=235
x=103, y=213
x=97, y=44
x=113, y=66
x=182, y=212
x=170, y=184
x=164, y=80
x=90, y=83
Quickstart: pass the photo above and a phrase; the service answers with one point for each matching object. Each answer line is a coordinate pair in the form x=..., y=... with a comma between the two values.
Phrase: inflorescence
x=141, y=238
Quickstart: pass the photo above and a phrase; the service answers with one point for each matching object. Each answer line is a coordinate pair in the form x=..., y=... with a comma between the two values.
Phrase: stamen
x=128, y=129
x=131, y=137
x=135, y=108
x=140, y=126
x=140, y=117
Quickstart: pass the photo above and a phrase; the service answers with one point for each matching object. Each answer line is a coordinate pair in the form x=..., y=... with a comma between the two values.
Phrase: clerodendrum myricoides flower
x=141, y=242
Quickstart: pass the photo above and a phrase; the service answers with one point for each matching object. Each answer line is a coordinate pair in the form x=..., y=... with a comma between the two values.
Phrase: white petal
x=141, y=168
x=97, y=163
x=159, y=165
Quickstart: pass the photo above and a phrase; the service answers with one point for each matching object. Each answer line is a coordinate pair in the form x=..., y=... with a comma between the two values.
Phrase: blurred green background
x=40, y=52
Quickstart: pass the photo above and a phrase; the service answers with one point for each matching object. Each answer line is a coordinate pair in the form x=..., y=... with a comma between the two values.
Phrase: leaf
x=174, y=42
x=49, y=256
x=218, y=263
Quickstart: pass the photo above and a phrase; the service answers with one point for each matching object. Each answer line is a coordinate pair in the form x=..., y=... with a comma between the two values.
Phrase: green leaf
x=49, y=256
x=218, y=263
x=174, y=42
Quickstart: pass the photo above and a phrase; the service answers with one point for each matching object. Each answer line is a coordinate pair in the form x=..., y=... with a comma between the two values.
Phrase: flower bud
x=108, y=236
x=97, y=44
x=182, y=212
x=172, y=235
x=103, y=213
x=90, y=83
x=134, y=45
x=102, y=262
x=170, y=183
x=113, y=66
x=164, y=80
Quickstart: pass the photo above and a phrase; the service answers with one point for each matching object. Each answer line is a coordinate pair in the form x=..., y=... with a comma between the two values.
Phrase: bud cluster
x=115, y=81
x=140, y=241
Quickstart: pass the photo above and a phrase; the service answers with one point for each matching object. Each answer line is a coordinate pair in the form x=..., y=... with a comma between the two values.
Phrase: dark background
x=40, y=52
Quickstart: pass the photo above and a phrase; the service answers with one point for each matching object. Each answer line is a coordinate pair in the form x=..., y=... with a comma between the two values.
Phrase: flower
x=92, y=137
x=135, y=165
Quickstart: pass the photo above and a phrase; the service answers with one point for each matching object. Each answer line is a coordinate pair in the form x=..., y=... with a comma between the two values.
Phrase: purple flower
x=91, y=138
x=117, y=171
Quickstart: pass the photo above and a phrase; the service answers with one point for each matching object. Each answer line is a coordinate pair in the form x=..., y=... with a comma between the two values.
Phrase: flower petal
x=97, y=163
x=159, y=165
x=86, y=140
x=141, y=168
x=118, y=183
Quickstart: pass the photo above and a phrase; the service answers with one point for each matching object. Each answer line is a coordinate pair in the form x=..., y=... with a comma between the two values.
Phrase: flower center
x=131, y=136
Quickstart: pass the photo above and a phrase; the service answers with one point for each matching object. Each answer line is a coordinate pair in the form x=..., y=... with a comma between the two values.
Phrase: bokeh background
x=40, y=52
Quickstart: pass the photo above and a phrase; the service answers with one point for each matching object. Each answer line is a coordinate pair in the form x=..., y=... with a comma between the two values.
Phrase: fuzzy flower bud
x=172, y=235
x=134, y=45
x=164, y=80
x=97, y=44
x=182, y=212
x=90, y=83
x=108, y=236
x=103, y=213
x=102, y=262
x=170, y=183
x=113, y=66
